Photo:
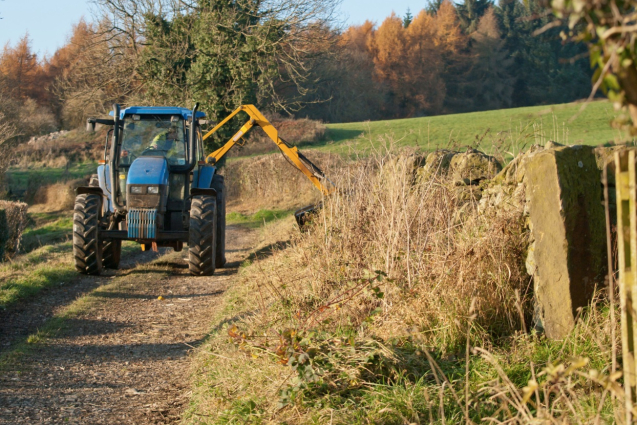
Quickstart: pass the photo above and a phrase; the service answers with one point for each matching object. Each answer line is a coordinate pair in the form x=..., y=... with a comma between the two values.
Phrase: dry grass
x=57, y=197
x=404, y=303
x=436, y=254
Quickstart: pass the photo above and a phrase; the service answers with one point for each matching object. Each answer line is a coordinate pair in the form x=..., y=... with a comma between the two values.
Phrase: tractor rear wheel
x=202, y=235
x=87, y=248
x=219, y=186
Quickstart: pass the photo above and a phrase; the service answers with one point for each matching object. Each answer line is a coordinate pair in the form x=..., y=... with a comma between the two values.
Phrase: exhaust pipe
x=193, y=137
x=113, y=158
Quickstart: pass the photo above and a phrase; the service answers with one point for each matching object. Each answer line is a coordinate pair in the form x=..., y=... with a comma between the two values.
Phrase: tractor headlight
x=153, y=190
x=137, y=190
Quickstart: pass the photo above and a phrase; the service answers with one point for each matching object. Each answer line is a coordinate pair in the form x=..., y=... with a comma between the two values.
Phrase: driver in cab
x=169, y=142
x=166, y=142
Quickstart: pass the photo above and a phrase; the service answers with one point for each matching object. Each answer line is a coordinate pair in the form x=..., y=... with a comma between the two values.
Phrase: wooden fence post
x=625, y=181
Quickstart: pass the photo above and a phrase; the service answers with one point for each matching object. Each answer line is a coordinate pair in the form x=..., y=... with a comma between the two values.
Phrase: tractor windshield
x=153, y=136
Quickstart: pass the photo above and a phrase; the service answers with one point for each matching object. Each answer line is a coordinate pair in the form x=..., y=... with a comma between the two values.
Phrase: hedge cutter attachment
x=291, y=153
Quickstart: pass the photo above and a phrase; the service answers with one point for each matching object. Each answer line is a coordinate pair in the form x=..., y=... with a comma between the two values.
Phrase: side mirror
x=90, y=125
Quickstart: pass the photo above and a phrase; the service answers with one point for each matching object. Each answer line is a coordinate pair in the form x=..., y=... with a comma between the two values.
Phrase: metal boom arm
x=306, y=166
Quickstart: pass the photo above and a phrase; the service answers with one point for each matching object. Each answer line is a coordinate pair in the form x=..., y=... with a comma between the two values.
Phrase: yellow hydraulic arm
x=312, y=172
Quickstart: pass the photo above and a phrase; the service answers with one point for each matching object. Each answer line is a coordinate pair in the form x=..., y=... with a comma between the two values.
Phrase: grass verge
x=403, y=303
x=50, y=233
x=242, y=373
x=257, y=219
x=45, y=267
x=19, y=179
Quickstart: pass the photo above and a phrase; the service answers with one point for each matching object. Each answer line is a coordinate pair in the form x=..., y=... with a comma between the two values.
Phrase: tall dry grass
x=410, y=255
x=56, y=196
x=396, y=282
x=438, y=254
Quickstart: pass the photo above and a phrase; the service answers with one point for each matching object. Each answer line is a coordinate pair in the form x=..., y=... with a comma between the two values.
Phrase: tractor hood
x=147, y=184
x=147, y=170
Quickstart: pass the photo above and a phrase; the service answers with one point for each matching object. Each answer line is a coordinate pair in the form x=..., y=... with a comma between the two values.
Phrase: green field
x=19, y=179
x=508, y=130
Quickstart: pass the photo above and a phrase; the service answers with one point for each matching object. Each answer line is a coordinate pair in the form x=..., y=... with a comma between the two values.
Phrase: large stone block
x=473, y=166
x=435, y=163
x=567, y=257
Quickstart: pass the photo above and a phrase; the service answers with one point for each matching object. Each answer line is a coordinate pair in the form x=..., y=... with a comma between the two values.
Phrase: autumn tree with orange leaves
x=416, y=60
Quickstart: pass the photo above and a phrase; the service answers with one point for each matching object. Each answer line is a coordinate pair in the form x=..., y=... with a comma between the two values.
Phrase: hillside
x=505, y=129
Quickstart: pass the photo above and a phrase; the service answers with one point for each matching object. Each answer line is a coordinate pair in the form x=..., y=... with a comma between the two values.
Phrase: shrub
x=4, y=233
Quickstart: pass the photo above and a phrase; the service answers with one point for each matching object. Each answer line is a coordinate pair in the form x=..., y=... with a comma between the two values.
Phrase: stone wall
x=558, y=189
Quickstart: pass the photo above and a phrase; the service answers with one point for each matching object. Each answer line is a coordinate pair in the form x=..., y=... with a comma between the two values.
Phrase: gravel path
x=25, y=318
x=124, y=360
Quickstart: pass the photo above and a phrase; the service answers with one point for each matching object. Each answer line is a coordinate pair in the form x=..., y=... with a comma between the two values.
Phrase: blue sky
x=49, y=21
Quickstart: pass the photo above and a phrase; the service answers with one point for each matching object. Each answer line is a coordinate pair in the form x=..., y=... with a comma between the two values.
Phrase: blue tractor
x=157, y=187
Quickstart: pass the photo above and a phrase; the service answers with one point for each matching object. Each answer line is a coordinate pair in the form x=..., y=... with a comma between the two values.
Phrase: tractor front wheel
x=87, y=248
x=202, y=235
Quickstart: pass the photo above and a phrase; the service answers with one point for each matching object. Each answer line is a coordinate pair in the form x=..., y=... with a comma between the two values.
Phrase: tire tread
x=202, y=236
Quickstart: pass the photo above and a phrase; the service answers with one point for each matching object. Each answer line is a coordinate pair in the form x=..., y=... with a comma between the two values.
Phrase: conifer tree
x=453, y=47
x=433, y=6
x=407, y=19
x=19, y=70
x=470, y=12
x=491, y=83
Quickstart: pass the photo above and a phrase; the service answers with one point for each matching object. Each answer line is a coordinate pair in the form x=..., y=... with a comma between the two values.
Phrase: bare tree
x=101, y=71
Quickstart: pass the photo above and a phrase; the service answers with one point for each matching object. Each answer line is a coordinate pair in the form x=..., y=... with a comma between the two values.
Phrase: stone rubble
x=47, y=137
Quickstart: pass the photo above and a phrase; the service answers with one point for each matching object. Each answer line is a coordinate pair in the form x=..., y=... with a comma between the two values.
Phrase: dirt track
x=126, y=359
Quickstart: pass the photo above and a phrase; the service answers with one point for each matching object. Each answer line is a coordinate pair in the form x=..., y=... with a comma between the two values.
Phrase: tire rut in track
x=24, y=319
x=126, y=359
